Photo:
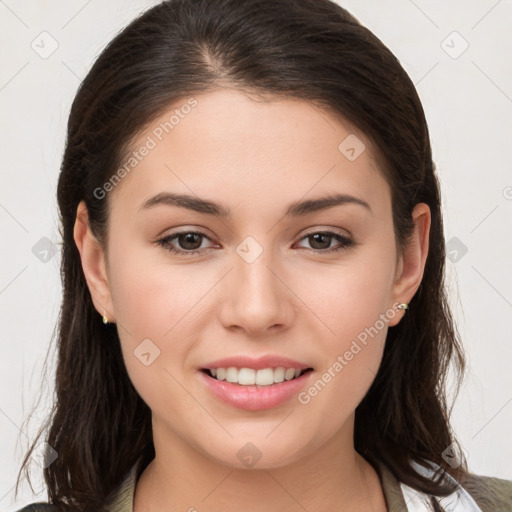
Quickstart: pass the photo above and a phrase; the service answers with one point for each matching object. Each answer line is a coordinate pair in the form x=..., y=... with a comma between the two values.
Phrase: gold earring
x=105, y=319
x=403, y=306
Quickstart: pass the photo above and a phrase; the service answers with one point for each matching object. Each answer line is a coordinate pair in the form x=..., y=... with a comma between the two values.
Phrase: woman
x=215, y=352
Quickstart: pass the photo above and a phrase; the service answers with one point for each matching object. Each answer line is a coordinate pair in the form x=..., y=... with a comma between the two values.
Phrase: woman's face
x=266, y=278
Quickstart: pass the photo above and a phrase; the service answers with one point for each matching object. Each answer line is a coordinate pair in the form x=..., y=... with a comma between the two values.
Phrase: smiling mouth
x=251, y=377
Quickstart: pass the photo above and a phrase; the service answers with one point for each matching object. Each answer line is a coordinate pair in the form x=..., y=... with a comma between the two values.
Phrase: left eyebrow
x=297, y=209
x=305, y=207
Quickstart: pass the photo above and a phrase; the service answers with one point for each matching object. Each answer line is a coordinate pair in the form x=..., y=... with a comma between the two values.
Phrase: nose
x=256, y=297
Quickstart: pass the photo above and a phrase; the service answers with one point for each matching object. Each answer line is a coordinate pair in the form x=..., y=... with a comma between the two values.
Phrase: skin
x=294, y=300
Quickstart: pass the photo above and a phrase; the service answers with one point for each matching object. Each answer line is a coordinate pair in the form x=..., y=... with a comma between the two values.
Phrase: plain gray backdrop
x=458, y=55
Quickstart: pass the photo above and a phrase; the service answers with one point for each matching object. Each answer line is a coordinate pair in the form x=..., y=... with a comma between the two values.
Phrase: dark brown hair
x=311, y=50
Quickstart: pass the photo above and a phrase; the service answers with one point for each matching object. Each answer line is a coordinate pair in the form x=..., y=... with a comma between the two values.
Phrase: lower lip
x=255, y=398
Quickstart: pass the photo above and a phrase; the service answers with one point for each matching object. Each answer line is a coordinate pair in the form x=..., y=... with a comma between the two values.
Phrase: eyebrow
x=296, y=209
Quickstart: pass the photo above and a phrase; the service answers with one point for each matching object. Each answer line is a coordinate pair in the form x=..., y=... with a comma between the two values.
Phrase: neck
x=330, y=477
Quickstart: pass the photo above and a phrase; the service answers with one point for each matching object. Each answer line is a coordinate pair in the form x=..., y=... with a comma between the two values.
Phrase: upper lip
x=268, y=361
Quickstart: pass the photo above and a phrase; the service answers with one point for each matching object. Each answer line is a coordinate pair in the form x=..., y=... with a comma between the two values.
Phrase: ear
x=411, y=262
x=93, y=263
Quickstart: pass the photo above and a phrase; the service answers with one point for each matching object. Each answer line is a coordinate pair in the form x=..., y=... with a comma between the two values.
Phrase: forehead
x=223, y=143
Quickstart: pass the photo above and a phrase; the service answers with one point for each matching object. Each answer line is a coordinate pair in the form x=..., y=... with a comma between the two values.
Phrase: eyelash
x=345, y=241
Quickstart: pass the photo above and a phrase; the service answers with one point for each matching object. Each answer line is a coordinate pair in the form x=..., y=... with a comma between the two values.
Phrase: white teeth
x=263, y=377
x=279, y=375
x=289, y=374
x=232, y=375
x=248, y=376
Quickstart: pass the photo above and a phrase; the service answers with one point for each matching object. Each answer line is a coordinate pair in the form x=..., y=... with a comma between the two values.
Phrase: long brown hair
x=312, y=50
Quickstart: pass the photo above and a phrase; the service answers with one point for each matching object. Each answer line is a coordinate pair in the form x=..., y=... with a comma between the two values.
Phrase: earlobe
x=93, y=264
x=412, y=260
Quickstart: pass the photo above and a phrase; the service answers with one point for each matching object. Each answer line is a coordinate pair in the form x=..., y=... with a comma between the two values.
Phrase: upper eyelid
x=330, y=231
x=312, y=231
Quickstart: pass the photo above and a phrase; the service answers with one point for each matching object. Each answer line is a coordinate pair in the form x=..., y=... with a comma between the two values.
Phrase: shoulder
x=490, y=493
x=120, y=500
x=476, y=493
x=39, y=507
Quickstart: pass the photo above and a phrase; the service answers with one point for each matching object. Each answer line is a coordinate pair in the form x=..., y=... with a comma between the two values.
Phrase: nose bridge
x=257, y=298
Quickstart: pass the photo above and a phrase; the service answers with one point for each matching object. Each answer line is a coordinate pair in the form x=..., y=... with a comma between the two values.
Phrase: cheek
x=151, y=297
x=351, y=355
x=160, y=309
x=352, y=303
x=153, y=307
x=351, y=296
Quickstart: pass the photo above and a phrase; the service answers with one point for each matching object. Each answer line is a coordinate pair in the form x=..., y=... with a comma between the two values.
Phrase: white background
x=468, y=104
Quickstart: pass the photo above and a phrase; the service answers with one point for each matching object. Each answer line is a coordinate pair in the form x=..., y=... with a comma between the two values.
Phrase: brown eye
x=189, y=241
x=321, y=241
x=184, y=243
